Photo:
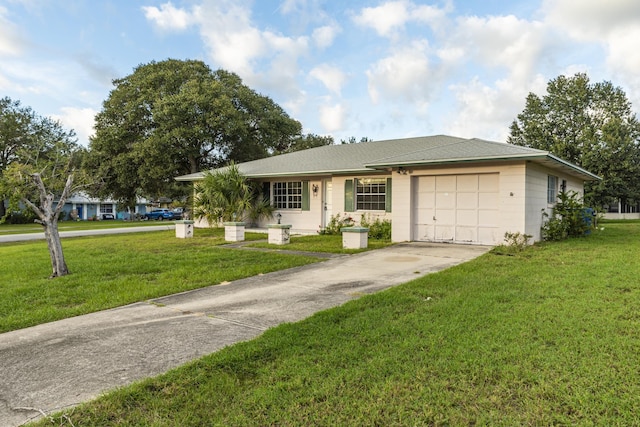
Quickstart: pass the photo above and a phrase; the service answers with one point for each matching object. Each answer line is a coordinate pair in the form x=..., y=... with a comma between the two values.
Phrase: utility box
x=279, y=234
x=184, y=229
x=234, y=231
x=355, y=237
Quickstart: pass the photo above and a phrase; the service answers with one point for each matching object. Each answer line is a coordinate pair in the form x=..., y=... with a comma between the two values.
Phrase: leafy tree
x=352, y=140
x=591, y=125
x=177, y=117
x=310, y=140
x=226, y=195
x=39, y=171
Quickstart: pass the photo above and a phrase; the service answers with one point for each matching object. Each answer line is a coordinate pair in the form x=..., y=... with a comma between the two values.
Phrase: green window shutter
x=305, y=195
x=266, y=191
x=348, y=195
x=387, y=196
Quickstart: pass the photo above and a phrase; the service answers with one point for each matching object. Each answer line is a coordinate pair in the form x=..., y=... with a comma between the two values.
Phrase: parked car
x=159, y=214
x=108, y=216
x=177, y=213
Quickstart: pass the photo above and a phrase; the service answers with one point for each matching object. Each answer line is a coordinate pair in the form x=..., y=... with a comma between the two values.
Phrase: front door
x=327, y=198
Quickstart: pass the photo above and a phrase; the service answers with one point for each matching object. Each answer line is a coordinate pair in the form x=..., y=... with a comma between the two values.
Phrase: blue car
x=159, y=214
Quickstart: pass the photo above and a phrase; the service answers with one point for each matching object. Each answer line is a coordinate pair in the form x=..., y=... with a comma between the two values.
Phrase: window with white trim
x=287, y=195
x=371, y=194
x=552, y=189
x=106, y=208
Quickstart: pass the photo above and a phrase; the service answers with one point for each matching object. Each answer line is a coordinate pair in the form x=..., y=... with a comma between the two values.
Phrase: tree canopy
x=178, y=117
x=30, y=143
x=591, y=125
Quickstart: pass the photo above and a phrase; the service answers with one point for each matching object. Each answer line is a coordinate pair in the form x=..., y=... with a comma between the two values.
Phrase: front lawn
x=550, y=336
x=110, y=271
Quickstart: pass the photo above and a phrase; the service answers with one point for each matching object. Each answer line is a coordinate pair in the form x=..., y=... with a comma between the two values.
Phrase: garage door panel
x=489, y=183
x=467, y=217
x=487, y=218
x=445, y=200
x=446, y=183
x=487, y=200
x=466, y=234
x=467, y=200
x=467, y=183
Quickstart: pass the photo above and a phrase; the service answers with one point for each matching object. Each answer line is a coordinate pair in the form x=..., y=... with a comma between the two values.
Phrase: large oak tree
x=591, y=125
x=178, y=117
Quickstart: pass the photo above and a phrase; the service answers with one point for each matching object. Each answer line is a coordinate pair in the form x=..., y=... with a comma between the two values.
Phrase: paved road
x=60, y=364
x=79, y=233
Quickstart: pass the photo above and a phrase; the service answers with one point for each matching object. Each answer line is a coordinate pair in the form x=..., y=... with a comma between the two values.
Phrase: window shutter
x=266, y=191
x=305, y=195
x=387, y=196
x=348, y=195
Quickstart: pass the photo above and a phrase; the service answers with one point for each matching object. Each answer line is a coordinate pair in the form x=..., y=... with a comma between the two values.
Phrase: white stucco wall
x=536, y=187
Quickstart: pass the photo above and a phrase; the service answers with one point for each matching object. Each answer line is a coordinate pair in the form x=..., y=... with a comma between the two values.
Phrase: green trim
x=234, y=224
x=278, y=225
x=387, y=196
x=349, y=196
x=183, y=221
x=354, y=230
x=305, y=196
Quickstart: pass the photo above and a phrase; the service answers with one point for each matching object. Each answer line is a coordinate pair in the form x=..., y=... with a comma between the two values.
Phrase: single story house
x=436, y=188
x=81, y=206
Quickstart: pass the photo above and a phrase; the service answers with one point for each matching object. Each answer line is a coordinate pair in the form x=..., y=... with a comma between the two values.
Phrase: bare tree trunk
x=48, y=218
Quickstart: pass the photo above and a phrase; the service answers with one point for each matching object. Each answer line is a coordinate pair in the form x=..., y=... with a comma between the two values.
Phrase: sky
x=359, y=68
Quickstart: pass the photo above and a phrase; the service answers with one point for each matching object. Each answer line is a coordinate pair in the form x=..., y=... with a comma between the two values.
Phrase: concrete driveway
x=60, y=364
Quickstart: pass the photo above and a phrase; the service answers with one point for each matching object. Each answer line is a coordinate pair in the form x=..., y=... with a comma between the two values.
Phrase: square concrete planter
x=279, y=234
x=355, y=237
x=234, y=231
x=184, y=229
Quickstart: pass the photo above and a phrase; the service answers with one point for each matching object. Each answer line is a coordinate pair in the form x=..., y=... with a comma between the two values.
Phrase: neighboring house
x=437, y=188
x=83, y=207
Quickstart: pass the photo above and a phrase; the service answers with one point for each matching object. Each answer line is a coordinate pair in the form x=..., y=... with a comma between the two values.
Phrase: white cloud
x=405, y=75
x=332, y=77
x=168, y=17
x=333, y=117
x=79, y=119
x=487, y=110
x=324, y=36
x=591, y=19
x=392, y=16
x=11, y=42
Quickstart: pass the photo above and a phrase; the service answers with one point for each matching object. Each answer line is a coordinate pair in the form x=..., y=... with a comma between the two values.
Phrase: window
x=287, y=195
x=552, y=189
x=106, y=208
x=371, y=194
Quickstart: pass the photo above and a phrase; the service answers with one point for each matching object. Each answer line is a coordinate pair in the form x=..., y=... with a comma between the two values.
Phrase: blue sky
x=380, y=69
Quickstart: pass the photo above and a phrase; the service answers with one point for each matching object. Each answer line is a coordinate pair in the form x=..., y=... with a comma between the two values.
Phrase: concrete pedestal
x=184, y=229
x=355, y=237
x=234, y=231
x=279, y=234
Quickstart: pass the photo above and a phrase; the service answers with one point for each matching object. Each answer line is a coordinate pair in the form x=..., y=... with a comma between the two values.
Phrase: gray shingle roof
x=367, y=156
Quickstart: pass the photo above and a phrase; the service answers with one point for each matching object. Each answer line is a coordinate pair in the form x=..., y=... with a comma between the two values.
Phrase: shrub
x=336, y=223
x=513, y=243
x=569, y=218
x=378, y=229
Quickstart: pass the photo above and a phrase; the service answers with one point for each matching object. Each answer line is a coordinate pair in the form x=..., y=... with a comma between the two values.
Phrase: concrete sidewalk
x=80, y=233
x=60, y=364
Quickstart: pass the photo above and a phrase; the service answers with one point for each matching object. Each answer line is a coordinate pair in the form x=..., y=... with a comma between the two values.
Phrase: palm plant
x=226, y=195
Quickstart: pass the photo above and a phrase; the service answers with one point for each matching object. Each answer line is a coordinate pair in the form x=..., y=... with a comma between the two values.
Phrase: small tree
x=568, y=218
x=226, y=195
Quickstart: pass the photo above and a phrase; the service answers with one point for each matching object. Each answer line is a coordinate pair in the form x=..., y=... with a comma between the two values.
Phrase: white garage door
x=456, y=208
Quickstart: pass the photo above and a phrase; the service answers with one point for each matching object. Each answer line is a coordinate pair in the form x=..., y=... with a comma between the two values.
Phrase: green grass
x=77, y=225
x=550, y=336
x=321, y=243
x=110, y=271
